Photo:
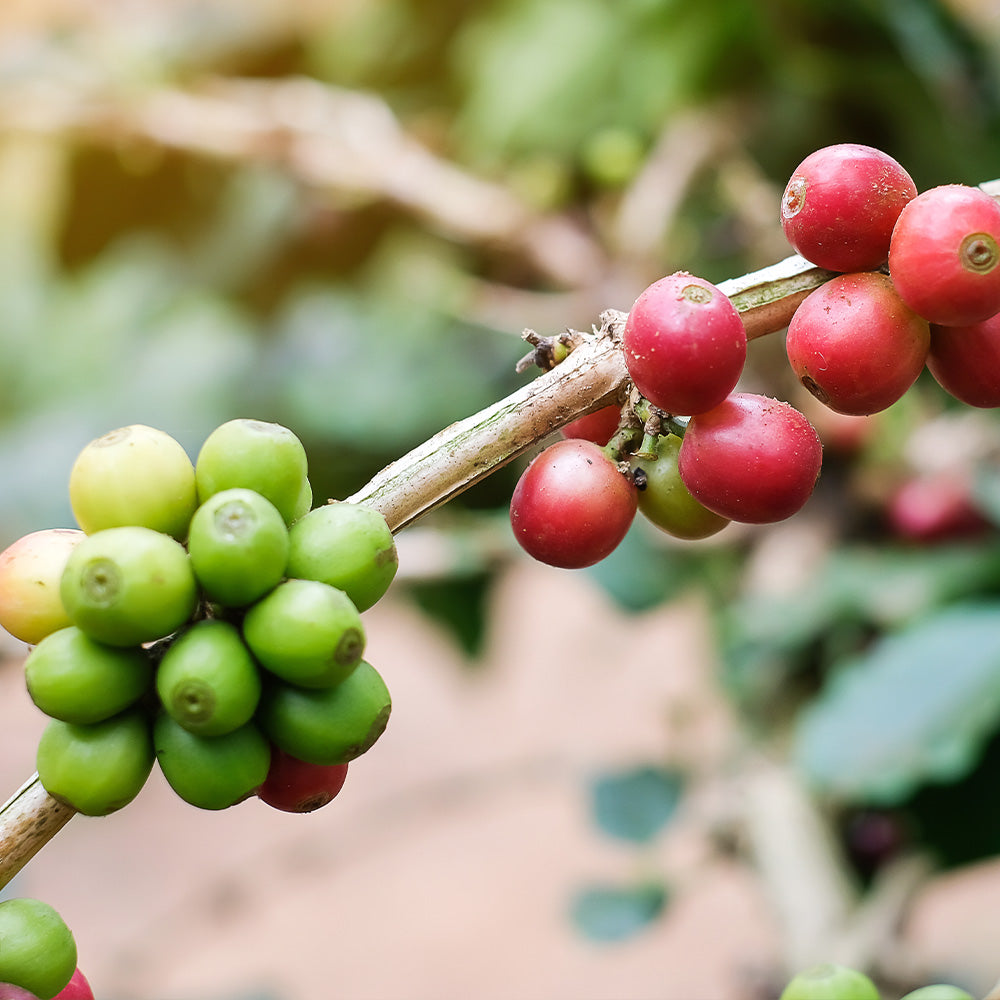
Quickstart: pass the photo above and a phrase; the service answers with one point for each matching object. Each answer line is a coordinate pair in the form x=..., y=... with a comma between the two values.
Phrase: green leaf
x=635, y=805
x=916, y=708
x=615, y=913
x=857, y=589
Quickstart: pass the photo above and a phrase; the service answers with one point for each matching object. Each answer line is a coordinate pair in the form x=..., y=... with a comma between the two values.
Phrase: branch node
x=547, y=351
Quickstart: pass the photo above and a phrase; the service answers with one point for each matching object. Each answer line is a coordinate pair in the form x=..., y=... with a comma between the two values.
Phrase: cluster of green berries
x=38, y=954
x=914, y=285
x=203, y=617
x=832, y=981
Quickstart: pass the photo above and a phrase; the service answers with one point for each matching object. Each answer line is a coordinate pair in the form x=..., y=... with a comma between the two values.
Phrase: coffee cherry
x=97, y=768
x=751, y=459
x=841, y=203
x=37, y=949
x=306, y=632
x=599, y=426
x=8, y=991
x=855, y=345
x=238, y=543
x=304, y=502
x=830, y=981
x=255, y=455
x=135, y=475
x=30, y=571
x=77, y=679
x=666, y=502
x=936, y=507
x=331, y=725
x=685, y=344
x=938, y=991
x=945, y=255
x=965, y=361
x=346, y=545
x=211, y=772
x=126, y=586
x=572, y=507
x=207, y=681
x=76, y=989
x=296, y=786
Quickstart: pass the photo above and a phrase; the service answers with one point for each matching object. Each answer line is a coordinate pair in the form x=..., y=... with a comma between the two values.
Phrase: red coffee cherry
x=598, y=426
x=296, y=786
x=751, y=458
x=685, y=344
x=841, y=203
x=572, y=507
x=944, y=257
x=855, y=345
x=965, y=361
x=936, y=507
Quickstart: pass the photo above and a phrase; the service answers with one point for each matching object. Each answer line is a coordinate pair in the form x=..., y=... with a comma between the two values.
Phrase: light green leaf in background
x=916, y=708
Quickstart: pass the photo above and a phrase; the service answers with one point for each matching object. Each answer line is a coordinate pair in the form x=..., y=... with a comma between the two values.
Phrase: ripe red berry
x=685, y=344
x=855, y=345
x=598, y=426
x=935, y=507
x=841, y=203
x=572, y=507
x=965, y=361
x=751, y=458
x=296, y=786
x=944, y=257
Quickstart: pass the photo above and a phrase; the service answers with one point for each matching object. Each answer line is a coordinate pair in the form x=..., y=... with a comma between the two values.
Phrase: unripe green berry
x=830, y=981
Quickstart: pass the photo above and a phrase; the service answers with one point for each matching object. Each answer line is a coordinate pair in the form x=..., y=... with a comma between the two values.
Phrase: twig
x=466, y=452
x=333, y=140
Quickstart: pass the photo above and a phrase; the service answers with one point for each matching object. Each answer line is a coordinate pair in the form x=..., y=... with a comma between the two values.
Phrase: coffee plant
x=205, y=615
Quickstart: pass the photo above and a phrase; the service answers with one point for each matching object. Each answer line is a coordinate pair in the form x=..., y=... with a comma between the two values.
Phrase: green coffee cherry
x=207, y=680
x=255, y=455
x=77, y=679
x=135, y=475
x=348, y=546
x=126, y=586
x=97, y=768
x=37, y=949
x=211, y=772
x=666, y=502
x=830, y=981
x=306, y=632
x=327, y=725
x=238, y=543
x=938, y=991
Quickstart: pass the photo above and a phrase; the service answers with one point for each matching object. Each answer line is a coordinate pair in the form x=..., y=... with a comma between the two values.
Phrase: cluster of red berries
x=916, y=284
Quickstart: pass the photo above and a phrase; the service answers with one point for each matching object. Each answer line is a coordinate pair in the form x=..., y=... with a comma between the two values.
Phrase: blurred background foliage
x=340, y=216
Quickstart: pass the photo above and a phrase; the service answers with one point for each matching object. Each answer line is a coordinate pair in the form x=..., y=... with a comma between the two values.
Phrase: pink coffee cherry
x=841, y=203
x=572, y=506
x=598, y=426
x=751, y=458
x=685, y=344
x=855, y=345
x=965, y=361
x=944, y=257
